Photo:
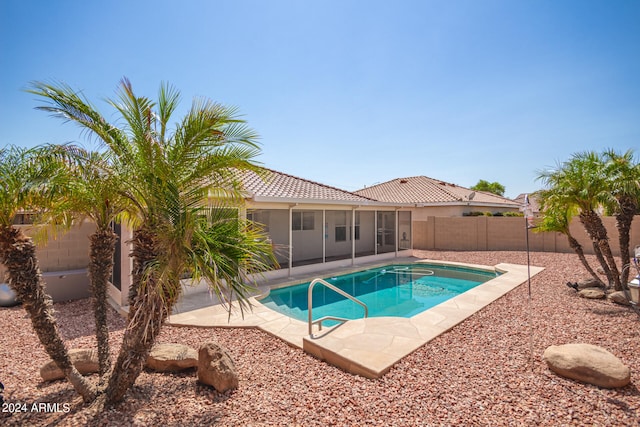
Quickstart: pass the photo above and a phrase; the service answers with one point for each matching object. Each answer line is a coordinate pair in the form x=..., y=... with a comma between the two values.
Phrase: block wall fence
x=63, y=262
x=506, y=234
x=71, y=250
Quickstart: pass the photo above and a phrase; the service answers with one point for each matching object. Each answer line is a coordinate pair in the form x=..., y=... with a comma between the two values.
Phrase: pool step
x=367, y=347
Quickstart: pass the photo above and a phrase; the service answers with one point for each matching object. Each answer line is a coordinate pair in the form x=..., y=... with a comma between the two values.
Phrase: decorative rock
x=592, y=293
x=587, y=363
x=85, y=361
x=589, y=282
x=216, y=368
x=171, y=358
x=618, y=297
x=7, y=296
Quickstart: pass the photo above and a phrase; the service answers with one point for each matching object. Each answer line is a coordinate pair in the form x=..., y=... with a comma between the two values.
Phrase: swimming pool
x=399, y=290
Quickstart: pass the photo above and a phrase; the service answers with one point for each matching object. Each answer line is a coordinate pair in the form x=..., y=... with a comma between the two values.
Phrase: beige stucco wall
x=69, y=251
x=63, y=262
x=505, y=233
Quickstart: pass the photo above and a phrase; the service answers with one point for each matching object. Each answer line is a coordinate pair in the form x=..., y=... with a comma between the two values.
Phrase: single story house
x=312, y=226
x=533, y=202
x=432, y=197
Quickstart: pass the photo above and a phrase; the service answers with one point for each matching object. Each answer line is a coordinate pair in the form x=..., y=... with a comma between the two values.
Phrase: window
x=23, y=218
x=404, y=230
x=341, y=226
x=261, y=217
x=301, y=220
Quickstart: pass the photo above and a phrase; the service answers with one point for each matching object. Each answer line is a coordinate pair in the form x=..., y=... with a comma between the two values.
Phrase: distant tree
x=491, y=187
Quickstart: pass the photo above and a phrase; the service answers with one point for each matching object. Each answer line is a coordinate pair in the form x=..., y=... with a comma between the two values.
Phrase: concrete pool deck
x=369, y=346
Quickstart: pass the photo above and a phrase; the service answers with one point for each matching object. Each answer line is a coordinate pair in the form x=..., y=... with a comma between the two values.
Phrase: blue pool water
x=400, y=290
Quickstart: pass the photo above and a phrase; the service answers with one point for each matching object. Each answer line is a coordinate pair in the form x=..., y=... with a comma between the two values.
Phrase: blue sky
x=351, y=93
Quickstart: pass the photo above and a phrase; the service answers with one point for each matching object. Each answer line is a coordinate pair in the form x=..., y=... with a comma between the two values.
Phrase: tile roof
x=533, y=201
x=425, y=190
x=270, y=184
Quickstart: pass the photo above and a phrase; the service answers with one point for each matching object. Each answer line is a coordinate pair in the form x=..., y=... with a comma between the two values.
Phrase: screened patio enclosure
x=311, y=236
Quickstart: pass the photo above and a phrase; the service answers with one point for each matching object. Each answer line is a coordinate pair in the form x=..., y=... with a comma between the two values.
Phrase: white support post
x=325, y=235
x=397, y=233
x=353, y=236
x=375, y=232
x=290, y=239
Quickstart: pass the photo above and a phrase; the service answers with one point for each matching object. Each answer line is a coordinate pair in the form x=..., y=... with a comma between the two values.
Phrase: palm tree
x=28, y=183
x=170, y=177
x=556, y=218
x=94, y=191
x=623, y=173
x=581, y=183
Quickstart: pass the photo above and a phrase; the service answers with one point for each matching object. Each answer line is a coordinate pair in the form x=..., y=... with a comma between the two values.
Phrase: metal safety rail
x=322, y=319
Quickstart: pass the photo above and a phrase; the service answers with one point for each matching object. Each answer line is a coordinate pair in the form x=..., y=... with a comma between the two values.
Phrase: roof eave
x=310, y=201
x=465, y=203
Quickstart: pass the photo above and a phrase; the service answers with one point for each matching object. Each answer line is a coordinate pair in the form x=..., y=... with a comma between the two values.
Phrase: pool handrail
x=335, y=289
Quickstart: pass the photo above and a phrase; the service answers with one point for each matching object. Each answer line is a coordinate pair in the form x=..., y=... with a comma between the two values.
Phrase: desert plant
x=95, y=190
x=588, y=183
x=557, y=218
x=623, y=174
x=29, y=183
x=173, y=178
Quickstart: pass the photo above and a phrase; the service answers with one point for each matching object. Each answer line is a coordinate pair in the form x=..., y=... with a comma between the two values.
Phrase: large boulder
x=85, y=361
x=592, y=293
x=170, y=357
x=589, y=282
x=216, y=368
x=618, y=297
x=8, y=297
x=587, y=363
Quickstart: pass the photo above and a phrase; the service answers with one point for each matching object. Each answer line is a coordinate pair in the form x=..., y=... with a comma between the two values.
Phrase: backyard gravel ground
x=486, y=371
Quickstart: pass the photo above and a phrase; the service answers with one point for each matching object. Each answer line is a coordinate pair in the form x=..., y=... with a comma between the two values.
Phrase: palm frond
x=168, y=99
x=226, y=251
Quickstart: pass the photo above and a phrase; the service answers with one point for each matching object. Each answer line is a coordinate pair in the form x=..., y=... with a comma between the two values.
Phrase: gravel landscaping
x=487, y=371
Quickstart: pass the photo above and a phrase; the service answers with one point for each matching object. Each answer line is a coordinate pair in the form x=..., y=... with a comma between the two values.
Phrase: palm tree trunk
x=103, y=245
x=18, y=254
x=577, y=247
x=145, y=321
x=601, y=260
x=598, y=233
x=628, y=208
x=148, y=309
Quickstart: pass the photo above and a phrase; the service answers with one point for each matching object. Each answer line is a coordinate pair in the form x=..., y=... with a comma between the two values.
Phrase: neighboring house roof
x=274, y=186
x=533, y=202
x=428, y=191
